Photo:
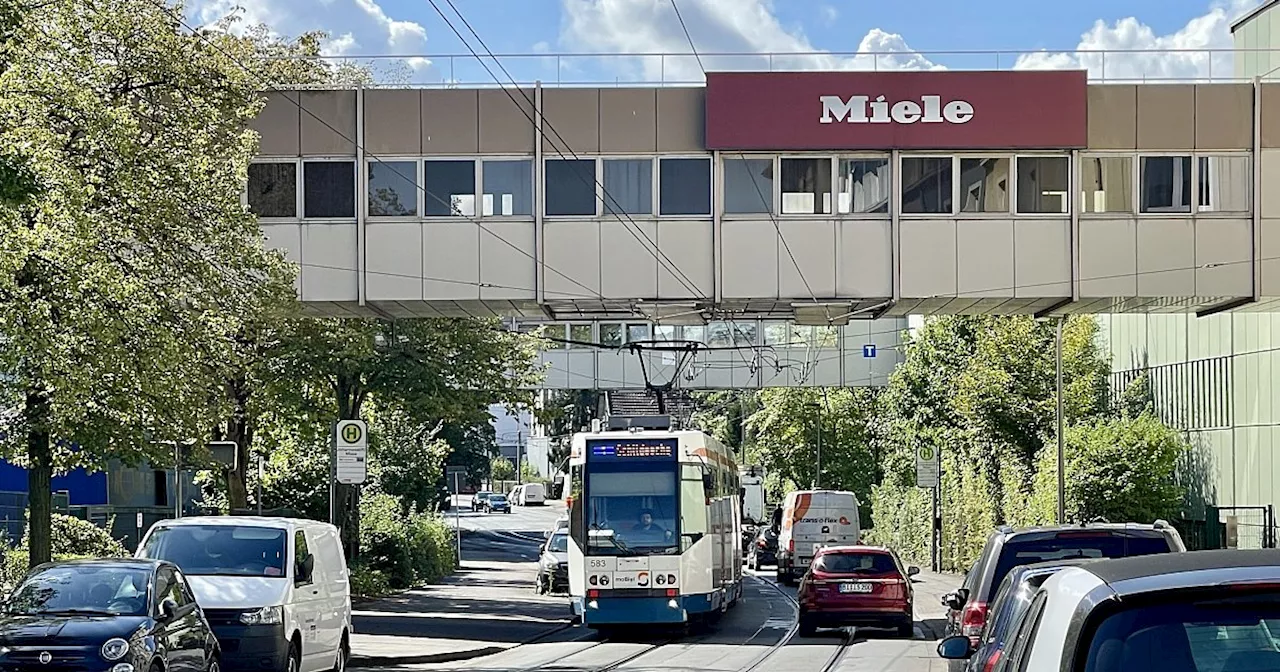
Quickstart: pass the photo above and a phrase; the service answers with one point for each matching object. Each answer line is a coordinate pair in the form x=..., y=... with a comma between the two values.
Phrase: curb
x=450, y=657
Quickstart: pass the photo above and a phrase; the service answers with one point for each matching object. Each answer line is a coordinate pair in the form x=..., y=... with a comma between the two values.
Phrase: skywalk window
x=273, y=189
x=450, y=188
x=329, y=189
x=1166, y=184
x=570, y=187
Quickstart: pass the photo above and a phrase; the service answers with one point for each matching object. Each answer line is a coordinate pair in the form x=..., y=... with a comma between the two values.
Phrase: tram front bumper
x=623, y=610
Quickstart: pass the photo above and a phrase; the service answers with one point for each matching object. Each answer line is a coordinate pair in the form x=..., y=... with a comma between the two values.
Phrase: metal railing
x=683, y=69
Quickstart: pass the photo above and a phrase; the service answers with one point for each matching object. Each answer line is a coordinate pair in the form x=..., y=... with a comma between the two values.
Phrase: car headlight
x=115, y=649
x=264, y=616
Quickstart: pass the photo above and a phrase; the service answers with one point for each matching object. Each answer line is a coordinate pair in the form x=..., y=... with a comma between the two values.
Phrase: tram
x=655, y=524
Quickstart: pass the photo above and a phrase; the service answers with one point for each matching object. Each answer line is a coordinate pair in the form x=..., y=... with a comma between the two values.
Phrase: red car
x=856, y=585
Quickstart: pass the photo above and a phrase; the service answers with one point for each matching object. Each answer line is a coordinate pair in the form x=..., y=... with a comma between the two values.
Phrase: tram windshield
x=631, y=509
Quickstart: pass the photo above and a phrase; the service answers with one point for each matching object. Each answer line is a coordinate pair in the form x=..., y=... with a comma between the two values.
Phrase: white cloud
x=1138, y=53
x=357, y=27
x=829, y=14
x=717, y=26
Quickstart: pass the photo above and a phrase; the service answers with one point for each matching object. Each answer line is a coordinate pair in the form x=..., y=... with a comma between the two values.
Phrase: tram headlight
x=673, y=604
x=593, y=604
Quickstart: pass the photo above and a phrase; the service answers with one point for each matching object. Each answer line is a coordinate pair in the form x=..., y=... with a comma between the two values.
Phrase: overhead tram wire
x=618, y=212
x=768, y=203
x=358, y=169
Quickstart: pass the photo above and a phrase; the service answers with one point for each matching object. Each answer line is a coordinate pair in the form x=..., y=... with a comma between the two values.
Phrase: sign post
x=349, y=465
x=928, y=468
x=455, y=474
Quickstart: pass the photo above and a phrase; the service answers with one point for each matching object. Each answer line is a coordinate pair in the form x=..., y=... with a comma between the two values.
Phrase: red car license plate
x=855, y=587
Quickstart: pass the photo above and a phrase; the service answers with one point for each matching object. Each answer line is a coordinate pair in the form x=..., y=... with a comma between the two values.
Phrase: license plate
x=855, y=587
x=803, y=562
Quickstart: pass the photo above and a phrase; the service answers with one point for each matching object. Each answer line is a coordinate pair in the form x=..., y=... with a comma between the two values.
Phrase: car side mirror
x=952, y=601
x=955, y=648
x=168, y=609
x=546, y=534
x=913, y=570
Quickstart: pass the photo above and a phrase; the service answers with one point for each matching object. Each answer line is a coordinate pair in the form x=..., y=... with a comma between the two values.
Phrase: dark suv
x=1008, y=548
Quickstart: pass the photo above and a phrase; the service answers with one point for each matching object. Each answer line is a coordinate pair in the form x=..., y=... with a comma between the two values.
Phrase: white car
x=276, y=591
x=1206, y=610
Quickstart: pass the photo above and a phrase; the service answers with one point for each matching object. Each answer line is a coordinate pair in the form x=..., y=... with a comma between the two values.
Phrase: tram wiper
x=612, y=538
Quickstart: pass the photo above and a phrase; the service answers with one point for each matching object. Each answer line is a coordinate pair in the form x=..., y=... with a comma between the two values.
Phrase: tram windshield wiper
x=598, y=532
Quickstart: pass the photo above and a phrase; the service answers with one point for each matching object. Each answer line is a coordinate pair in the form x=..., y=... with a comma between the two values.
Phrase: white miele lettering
x=864, y=109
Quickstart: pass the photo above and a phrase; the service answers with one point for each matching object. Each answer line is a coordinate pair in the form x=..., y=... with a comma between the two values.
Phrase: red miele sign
x=897, y=110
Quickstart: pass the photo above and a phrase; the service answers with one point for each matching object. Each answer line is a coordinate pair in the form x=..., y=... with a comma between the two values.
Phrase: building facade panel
x=451, y=261
x=508, y=261
x=1223, y=257
x=571, y=121
x=393, y=121
x=571, y=257
x=286, y=238
x=628, y=121
x=809, y=268
x=749, y=264
x=1108, y=257
x=278, y=125
x=506, y=121
x=628, y=263
x=451, y=121
x=682, y=117
x=865, y=258
x=1042, y=258
x=331, y=263
x=1113, y=117
x=1224, y=116
x=689, y=246
x=928, y=257
x=1166, y=116
x=394, y=260
x=1166, y=257
x=985, y=257
x=1269, y=112
x=328, y=123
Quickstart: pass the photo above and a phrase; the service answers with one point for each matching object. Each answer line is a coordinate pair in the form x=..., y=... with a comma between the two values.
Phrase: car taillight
x=972, y=620
x=991, y=662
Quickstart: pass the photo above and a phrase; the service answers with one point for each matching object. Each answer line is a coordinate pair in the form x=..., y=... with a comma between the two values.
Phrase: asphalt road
x=756, y=636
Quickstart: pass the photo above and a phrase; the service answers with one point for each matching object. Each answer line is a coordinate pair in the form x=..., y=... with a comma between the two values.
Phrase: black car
x=1007, y=548
x=553, y=564
x=763, y=549
x=479, y=500
x=108, y=615
x=1010, y=603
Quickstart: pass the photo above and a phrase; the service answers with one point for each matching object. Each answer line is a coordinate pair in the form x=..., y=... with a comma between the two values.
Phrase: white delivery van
x=812, y=519
x=531, y=494
x=276, y=591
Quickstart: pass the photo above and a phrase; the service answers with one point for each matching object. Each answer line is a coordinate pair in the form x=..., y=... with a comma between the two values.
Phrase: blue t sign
x=869, y=350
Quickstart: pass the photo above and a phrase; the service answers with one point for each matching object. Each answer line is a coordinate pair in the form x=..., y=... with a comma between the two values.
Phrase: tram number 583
x=597, y=563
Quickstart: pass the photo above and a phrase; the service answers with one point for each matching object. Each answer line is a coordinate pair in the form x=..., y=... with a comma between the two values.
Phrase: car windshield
x=220, y=550
x=558, y=543
x=1237, y=634
x=856, y=563
x=83, y=589
x=497, y=499
x=482, y=495
x=632, y=511
x=1045, y=547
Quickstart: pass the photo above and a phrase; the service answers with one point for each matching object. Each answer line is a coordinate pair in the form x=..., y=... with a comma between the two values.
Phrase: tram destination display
x=633, y=449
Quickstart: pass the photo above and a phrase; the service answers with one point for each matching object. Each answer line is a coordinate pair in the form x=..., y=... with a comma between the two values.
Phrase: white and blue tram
x=655, y=523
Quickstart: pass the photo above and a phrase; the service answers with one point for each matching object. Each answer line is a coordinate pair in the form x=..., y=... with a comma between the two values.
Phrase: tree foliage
x=501, y=469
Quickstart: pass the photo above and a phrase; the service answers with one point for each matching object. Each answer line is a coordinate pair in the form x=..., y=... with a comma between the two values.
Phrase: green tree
x=501, y=469
x=118, y=276
x=408, y=457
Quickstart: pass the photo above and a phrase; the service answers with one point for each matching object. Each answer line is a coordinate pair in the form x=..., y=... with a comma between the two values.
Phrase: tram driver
x=646, y=524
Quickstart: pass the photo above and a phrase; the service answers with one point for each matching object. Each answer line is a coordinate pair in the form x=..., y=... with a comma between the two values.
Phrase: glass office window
x=984, y=185
x=570, y=187
x=273, y=189
x=748, y=186
x=638, y=332
x=393, y=189
x=1042, y=184
x=611, y=334
x=329, y=189
x=628, y=186
x=508, y=187
x=1225, y=183
x=1106, y=184
x=864, y=186
x=1166, y=184
x=806, y=186
x=684, y=186
x=450, y=188
x=581, y=335
x=694, y=332
x=926, y=185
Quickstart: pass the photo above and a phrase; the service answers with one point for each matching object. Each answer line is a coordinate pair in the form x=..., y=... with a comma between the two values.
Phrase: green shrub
x=369, y=582
x=408, y=549
x=81, y=538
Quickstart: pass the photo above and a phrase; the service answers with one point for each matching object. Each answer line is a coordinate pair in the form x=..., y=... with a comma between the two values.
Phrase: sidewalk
x=485, y=608
x=929, y=588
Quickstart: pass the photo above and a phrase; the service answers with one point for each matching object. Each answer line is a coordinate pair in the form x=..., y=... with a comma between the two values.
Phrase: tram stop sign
x=351, y=452
x=927, y=466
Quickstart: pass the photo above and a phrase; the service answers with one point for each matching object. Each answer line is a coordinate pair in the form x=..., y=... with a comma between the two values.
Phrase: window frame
x=535, y=202
x=1010, y=189
x=1072, y=187
x=955, y=185
x=297, y=189
x=598, y=189
x=1134, y=186
x=832, y=167
x=420, y=197
x=359, y=209
x=477, y=189
x=654, y=187
x=1195, y=183
x=657, y=186
x=1250, y=197
x=775, y=187
x=887, y=157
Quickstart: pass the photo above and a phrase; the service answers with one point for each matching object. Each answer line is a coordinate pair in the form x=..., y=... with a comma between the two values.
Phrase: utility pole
x=177, y=479
x=259, y=485
x=817, y=477
x=1062, y=482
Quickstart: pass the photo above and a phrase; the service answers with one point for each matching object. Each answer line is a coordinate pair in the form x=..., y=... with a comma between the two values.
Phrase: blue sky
x=366, y=27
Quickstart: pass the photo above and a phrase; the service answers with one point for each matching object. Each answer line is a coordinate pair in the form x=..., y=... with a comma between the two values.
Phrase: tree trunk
x=239, y=431
x=39, y=478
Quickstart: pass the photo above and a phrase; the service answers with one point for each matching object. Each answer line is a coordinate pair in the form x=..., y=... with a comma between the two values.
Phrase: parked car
x=531, y=494
x=478, y=500
x=1007, y=548
x=856, y=585
x=275, y=590
x=562, y=523
x=763, y=550
x=553, y=564
x=811, y=519
x=497, y=502
x=119, y=614
x=1208, y=610
x=1011, y=601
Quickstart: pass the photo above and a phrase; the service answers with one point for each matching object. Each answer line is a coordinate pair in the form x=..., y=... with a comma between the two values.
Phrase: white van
x=274, y=589
x=531, y=494
x=812, y=519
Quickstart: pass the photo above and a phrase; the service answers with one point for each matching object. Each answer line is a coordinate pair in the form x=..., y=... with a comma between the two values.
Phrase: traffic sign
x=869, y=351
x=927, y=466
x=351, y=451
